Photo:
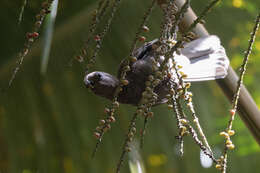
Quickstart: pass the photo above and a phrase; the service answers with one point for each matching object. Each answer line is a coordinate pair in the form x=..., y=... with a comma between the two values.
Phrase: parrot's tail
x=203, y=59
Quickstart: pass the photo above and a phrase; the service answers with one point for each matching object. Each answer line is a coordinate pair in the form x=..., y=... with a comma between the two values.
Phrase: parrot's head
x=101, y=83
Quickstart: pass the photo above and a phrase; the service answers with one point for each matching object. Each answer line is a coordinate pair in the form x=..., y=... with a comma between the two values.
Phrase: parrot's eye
x=97, y=77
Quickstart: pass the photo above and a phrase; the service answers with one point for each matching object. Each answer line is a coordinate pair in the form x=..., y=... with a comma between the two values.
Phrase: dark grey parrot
x=201, y=59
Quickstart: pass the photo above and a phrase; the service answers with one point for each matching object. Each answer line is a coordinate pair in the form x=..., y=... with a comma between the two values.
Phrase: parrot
x=202, y=59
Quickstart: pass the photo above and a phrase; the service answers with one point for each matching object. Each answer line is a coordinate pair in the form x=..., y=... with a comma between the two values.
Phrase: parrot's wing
x=144, y=50
x=201, y=46
x=203, y=59
x=143, y=55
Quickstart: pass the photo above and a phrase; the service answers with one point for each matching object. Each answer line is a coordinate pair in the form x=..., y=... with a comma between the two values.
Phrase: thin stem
x=143, y=23
x=123, y=73
x=106, y=28
x=31, y=37
x=239, y=84
x=128, y=139
x=202, y=15
x=21, y=12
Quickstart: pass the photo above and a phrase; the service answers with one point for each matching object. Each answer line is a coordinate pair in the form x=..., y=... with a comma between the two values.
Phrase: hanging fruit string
x=123, y=81
x=149, y=97
x=98, y=14
x=222, y=165
x=31, y=37
x=99, y=37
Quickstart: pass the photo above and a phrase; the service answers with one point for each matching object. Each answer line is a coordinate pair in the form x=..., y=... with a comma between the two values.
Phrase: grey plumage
x=202, y=59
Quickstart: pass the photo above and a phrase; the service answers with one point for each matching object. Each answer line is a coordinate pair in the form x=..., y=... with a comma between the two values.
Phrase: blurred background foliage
x=46, y=122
